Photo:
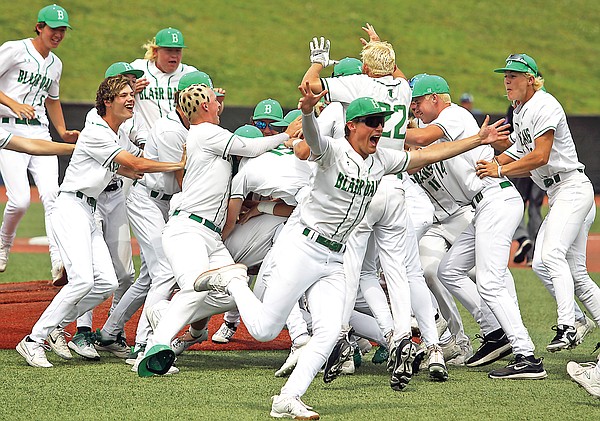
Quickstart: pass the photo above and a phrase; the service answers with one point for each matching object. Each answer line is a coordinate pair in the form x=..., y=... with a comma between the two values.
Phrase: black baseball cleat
x=403, y=356
x=525, y=245
x=342, y=351
x=565, y=338
x=529, y=368
x=494, y=346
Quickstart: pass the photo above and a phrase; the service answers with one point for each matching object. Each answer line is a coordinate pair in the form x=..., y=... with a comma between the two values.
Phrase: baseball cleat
x=466, y=352
x=33, y=352
x=494, y=346
x=381, y=355
x=59, y=275
x=403, y=356
x=585, y=375
x=341, y=352
x=527, y=368
x=135, y=352
x=292, y=359
x=4, y=251
x=584, y=327
x=565, y=338
x=225, y=333
x=83, y=344
x=521, y=253
x=58, y=343
x=218, y=279
x=436, y=364
x=118, y=347
x=291, y=407
x=183, y=342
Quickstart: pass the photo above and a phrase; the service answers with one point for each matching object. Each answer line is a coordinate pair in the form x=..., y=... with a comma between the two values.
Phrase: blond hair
x=191, y=98
x=380, y=58
x=151, y=50
x=538, y=81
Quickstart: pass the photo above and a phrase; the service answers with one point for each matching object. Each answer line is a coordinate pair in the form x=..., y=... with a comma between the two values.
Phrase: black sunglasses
x=520, y=59
x=372, y=121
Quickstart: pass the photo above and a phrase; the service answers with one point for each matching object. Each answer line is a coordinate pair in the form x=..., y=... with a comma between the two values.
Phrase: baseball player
x=487, y=239
x=111, y=217
x=267, y=112
x=543, y=148
x=308, y=254
x=192, y=236
x=163, y=69
x=97, y=156
x=29, y=87
x=382, y=80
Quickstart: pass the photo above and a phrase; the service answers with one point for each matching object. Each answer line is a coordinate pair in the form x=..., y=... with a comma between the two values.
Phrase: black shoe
x=521, y=368
x=521, y=253
x=494, y=346
x=342, y=351
x=403, y=357
x=565, y=338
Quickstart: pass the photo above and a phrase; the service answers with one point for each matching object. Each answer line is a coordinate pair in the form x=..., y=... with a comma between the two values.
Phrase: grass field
x=259, y=49
x=237, y=385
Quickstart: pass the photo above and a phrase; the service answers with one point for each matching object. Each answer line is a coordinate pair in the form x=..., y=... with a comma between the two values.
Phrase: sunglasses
x=261, y=125
x=520, y=59
x=372, y=121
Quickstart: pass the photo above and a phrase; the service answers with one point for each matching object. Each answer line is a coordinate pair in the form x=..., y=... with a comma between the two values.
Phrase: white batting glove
x=319, y=52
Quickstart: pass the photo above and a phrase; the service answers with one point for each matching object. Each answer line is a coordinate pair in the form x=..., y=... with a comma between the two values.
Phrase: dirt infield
x=21, y=304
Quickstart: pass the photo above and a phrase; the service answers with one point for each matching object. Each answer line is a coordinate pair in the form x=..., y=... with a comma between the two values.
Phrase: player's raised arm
x=319, y=58
x=310, y=128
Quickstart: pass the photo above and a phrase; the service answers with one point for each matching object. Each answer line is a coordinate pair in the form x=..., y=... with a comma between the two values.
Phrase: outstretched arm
x=38, y=147
x=310, y=128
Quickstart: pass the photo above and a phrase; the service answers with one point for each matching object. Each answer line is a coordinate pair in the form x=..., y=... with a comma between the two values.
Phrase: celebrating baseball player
x=29, y=87
x=543, y=148
x=97, y=156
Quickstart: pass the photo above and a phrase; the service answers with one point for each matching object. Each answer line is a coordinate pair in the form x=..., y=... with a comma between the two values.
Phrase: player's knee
x=18, y=205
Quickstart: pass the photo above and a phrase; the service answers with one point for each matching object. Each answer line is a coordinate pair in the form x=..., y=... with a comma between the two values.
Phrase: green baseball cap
x=194, y=78
x=430, y=84
x=54, y=16
x=347, y=66
x=521, y=63
x=169, y=38
x=157, y=360
x=362, y=107
x=268, y=109
x=122, y=68
x=248, y=131
x=287, y=120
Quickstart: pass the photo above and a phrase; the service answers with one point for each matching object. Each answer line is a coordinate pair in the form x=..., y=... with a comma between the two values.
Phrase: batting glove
x=319, y=52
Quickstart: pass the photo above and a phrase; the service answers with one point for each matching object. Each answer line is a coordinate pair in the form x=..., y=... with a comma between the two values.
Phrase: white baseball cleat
x=583, y=327
x=34, y=353
x=225, y=333
x=586, y=375
x=59, y=275
x=83, y=344
x=186, y=340
x=291, y=407
x=436, y=365
x=58, y=343
x=292, y=359
x=4, y=250
x=218, y=279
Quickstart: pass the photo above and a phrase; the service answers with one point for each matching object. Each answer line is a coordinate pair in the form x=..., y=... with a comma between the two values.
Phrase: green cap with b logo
x=268, y=109
x=169, y=38
x=54, y=16
x=122, y=68
x=430, y=84
x=365, y=106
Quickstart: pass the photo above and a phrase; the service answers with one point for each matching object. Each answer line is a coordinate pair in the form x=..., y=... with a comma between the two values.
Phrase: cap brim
x=281, y=123
x=157, y=360
x=137, y=73
x=172, y=46
x=218, y=93
x=267, y=117
x=57, y=24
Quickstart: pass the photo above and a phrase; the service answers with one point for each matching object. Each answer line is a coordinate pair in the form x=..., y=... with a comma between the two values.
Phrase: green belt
x=555, y=179
x=479, y=196
x=331, y=245
x=29, y=122
x=160, y=196
x=208, y=224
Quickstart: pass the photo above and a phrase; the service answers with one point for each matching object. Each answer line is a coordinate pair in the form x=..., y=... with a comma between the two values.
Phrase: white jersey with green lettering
x=531, y=120
x=27, y=77
x=156, y=100
x=392, y=93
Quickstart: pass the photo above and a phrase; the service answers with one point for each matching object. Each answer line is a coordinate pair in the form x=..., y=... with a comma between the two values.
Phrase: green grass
x=257, y=49
x=237, y=385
